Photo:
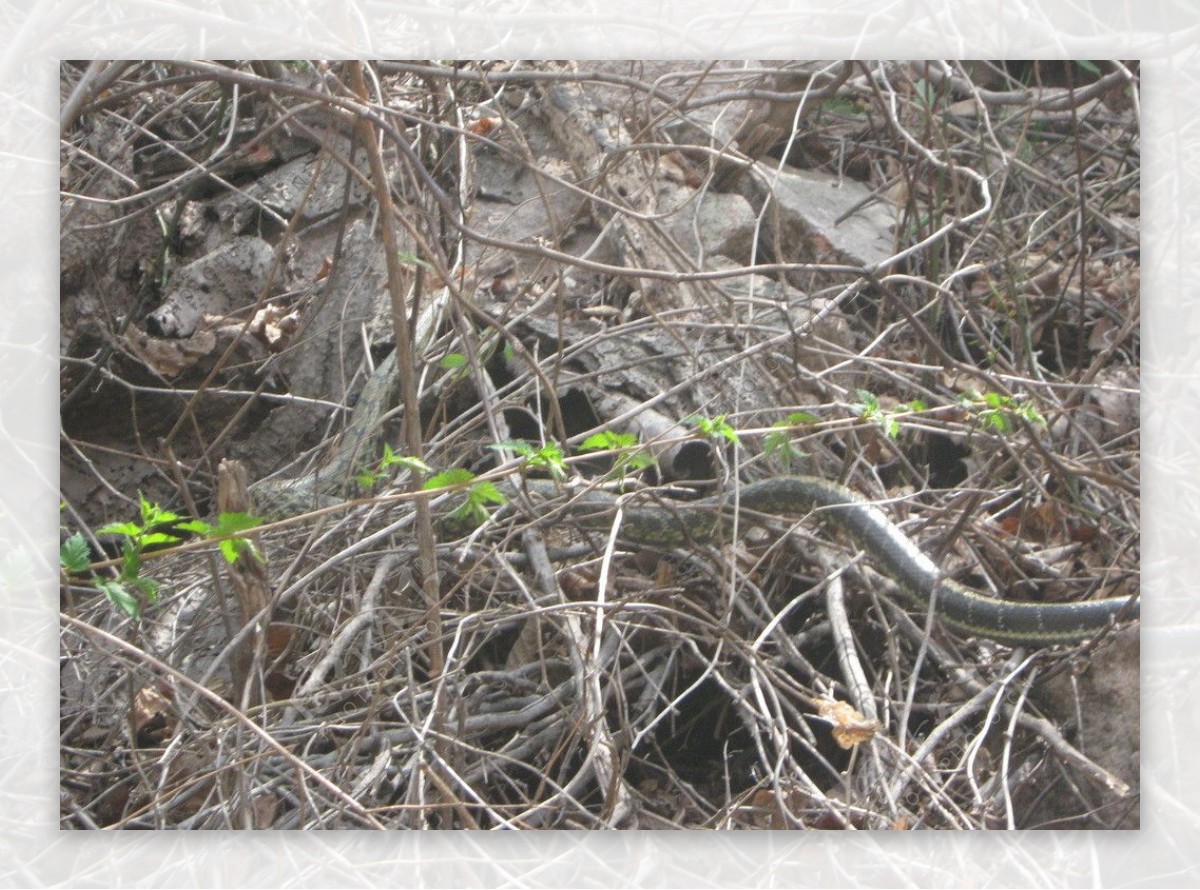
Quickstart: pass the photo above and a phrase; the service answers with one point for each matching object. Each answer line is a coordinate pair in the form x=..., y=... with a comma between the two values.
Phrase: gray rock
x=808, y=203
x=717, y=224
x=231, y=276
x=285, y=192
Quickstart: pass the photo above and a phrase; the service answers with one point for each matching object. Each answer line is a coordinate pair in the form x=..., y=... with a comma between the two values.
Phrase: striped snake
x=1014, y=623
x=677, y=523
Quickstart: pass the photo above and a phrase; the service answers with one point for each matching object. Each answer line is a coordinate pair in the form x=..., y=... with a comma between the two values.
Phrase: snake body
x=659, y=524
x=676, y=523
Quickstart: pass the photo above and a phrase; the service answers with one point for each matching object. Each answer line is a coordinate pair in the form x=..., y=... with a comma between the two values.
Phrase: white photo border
x=1163, y=34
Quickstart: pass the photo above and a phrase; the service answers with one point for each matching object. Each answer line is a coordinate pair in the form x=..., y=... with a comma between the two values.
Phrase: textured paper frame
x=1163, y=34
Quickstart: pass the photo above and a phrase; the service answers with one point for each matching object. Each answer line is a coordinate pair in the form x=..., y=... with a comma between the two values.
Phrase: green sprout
x=548, y=457
x=778, y=442
x=996, y=412
x=869, y=408
x=715, y=427
x=630, y=458
x=478, y=494
x=370, y=477
x=130, y=590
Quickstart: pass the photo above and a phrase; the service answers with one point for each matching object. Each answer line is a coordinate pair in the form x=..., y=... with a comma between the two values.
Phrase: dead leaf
x=484, y=126
x=152, y=717
x=169, y=358
x=274, y=326
x=849, y=728
x=264, y=808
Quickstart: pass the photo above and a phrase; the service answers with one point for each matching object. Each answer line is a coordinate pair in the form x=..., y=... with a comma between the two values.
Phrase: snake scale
x=678, y=523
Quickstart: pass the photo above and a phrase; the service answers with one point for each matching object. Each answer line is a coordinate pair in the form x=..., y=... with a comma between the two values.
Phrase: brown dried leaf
x=152, y=717
x=849, y=728
x=484, y=126
x=264, y=809
x=169, y=358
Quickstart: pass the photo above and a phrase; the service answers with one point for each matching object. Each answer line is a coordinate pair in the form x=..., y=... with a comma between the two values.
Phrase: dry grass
x=531, y=675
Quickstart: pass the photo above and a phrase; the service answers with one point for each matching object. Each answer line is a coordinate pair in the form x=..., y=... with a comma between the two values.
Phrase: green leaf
x=997, y=420
x=235, y=523
x=369, y=478
x=116, y=594
x=487, y=491
x=1088, y=66
x=778, y=444
x=520, y=446
x=609, y=441
x=714, y=427
x=412, y=259
x=197, y=527
x=470, y=510
x=1033, y=415
x=841, y=105
x=798, y=418
x=156, y=540
x=148, y=587
x=233, y=548
x=412, y=464
x=639, y=460
x=448, y=478
x=453, y=361
x=478, y=495
x=995, y=411
x=925, y=92
x=548, y=456
x=868, y=402
x=869, y=408
x=153, y=514
x=129, y=529
x=74, y=555
x=131, y=560
x=623, y=443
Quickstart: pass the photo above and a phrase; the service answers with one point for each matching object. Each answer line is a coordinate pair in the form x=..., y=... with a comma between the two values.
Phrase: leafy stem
x=778, y=442
x=715, y=427
x=548, y=457
x=869, y=408
x=370, y=477
x=630, y=458
x=996, y=412
x=479, y=494
x=157, y=529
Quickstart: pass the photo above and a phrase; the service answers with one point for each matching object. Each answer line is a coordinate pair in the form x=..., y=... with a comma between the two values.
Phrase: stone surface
x=809, y=207
x=230, y=277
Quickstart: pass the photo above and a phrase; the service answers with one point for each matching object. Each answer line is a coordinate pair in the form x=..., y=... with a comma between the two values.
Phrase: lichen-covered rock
x=229, y=277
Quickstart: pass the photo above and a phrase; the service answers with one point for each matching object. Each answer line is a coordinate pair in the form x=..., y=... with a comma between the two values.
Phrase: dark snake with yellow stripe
x=676, y=523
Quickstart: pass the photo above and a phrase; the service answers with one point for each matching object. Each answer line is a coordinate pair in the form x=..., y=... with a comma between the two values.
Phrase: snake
x=659, y=524
x=671, y=524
